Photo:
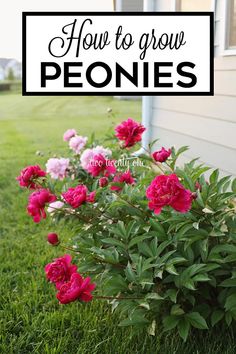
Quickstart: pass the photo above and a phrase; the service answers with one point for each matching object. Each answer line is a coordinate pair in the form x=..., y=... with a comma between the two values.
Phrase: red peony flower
x=167, y=190
x=161, y=155
x=130, y=132
x=53, y=239
x=37, y=203
x=103, y=182
x=60, y=271
x=100, y=165
x=78, y=196
x=76, y=289
x=125, y=177
x=29, y=175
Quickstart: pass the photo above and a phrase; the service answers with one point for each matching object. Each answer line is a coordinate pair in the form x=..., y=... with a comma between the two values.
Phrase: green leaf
x=214, y=176
x=228, y=283
x=157, y=226
x=233, y=186
x=153, y=296
x=224, y=248
x=171, y=269
x=216, y=316
x=130, y=275
x=183, y=328
x=170, y=322
x=176, y=310
x=228, y=318
x=197, y=320
x=172, y=294
x=113, y=242
x=115, y=285
x=138, y=239
x=230, y=302
x=201, y=277
x=135, y=320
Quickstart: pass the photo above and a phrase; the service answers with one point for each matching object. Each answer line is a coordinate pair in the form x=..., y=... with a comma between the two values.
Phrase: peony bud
x=103, y=182
x=53, y=239
x=198, y=186
x=161, y=155
x=194, y=196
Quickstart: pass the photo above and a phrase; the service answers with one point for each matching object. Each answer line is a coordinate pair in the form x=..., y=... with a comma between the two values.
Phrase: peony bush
x=156, y=241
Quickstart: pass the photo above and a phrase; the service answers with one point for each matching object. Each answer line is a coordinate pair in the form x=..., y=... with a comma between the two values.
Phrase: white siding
x=206, y=124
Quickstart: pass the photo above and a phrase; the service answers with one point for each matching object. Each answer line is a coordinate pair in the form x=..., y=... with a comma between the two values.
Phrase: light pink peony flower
x=69, y=134
x=77, y=288
x=37, y=203
x=130, y=132
x=57, y=167
x=77, y=143
x=29, y=175
x=122, y=178
x=60, y=270
x=161, y=155
x=167, y=190
x=53, y=207
x=78, y=196
x=89, y=154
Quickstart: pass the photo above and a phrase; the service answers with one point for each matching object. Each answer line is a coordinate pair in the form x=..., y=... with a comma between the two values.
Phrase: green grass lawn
x=31, y=320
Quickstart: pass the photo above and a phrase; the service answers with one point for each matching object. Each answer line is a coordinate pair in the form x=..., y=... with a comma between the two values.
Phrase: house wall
x=206, y=124
x=129, y=5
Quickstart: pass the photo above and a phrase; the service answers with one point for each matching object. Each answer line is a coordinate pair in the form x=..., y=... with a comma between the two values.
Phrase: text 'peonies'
x=167, y=190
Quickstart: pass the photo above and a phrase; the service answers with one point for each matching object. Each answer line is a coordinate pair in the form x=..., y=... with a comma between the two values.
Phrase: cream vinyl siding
x=206, y=124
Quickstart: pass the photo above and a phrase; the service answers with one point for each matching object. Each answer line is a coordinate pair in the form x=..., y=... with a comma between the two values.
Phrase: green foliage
x=175, y=269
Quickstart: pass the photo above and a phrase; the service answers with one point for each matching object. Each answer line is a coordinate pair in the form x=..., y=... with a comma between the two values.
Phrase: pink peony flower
x=69, y=134
x=57, y=167
x=28, y=177
x=88, y=155
x=161, y=155
x=53, y=239
x=100, y=165
x=55, y=206
x=60, y=270
x=37, y=203
x=77, y=288
x=78, y=196
x=125, y=177
x=130, y=132
x=77, y=143
x=103, y=182
x=167, y=190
